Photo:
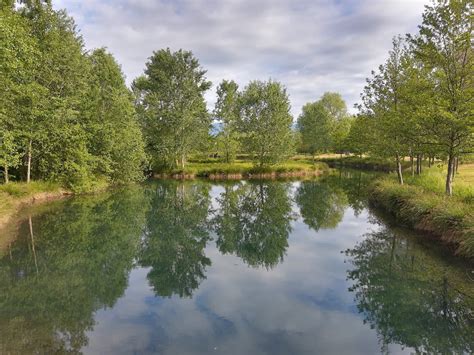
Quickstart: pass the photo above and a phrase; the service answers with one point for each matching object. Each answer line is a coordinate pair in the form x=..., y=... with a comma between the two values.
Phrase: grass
x=364, y=162
x=209, y=167
x=15, y=191
x=434, y=180
x=422, y=205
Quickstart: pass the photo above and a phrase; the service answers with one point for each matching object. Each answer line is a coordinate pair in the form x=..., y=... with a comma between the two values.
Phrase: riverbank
x=244, y=169
x=364, y=163
x=16, y=195
x=421, y=205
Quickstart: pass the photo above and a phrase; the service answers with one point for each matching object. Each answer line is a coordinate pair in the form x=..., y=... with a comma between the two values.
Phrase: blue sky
x=311, y=46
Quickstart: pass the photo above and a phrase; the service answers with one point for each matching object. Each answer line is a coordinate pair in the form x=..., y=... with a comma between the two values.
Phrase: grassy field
x=422, y=204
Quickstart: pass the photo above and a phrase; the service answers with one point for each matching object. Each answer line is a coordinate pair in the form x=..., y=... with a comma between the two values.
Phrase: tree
x=265, y=122
x=382, y=104
x=314, y=124
x=226, y=112
x=17, y=50
x=114, y=135
x=340, y=134
x=324, y=124
x=335, y=105
x=359, y=139
x=444, y=45
x=171, y=105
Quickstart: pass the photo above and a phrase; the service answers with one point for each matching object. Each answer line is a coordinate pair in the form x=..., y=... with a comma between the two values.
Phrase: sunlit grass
x=422, y=204
x=204, y=168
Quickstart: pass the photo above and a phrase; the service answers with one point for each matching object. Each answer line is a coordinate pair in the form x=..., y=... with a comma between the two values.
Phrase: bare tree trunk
x=457, y=164
x=449, y=176
x=418, y=163
x=429, y=161
x=28, y=171
x=399, y=170
x=412, y=163
x=5, y=174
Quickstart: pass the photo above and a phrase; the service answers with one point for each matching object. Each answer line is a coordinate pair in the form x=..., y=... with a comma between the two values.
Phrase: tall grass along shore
x=422, y=205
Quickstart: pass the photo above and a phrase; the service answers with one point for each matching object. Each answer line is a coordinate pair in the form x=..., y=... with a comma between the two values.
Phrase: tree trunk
x=429, y=161
x=457, y=164
x=5, y=173
x=412, y=165
x=399, y=170
x=418, y=164
x=28, y=169
x=449, y=176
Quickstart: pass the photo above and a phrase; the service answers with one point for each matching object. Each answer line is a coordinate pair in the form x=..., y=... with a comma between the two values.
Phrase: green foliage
x=171, y=106
x=420, y=101
x=65, y=114
x=114, y=133
x=314, y=123
x=226, y=112
x=324, y=125
x=265, y=122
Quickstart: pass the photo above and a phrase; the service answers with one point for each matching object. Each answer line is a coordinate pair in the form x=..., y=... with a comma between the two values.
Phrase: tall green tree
x=226, y=112
x=324, y=125
x=54, y=139
x=114, y=135
x=265, y=122
x=17, y=52
x=171, y=105
x=335, y=105
x=444, y=45
x=383, y=103
x=314, y=124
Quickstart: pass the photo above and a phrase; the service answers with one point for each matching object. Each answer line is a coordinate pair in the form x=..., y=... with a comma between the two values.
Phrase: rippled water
x=229, y=268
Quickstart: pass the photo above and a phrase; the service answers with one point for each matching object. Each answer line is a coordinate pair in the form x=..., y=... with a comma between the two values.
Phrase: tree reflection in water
x=176, y=234
x=410, y=295
x=253, y=222
x=64, y=266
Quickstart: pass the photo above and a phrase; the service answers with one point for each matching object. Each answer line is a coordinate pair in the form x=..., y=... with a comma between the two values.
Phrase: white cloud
x=311, y=46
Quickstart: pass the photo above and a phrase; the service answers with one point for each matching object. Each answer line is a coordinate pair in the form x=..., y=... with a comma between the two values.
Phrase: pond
x=265, y=267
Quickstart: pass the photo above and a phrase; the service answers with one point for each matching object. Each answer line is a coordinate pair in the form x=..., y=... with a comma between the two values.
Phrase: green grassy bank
x=240, y=169
x=16, y=194
x=422, y=205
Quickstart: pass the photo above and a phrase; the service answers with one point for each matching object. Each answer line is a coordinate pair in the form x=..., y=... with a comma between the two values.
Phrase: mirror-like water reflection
x=230, y=268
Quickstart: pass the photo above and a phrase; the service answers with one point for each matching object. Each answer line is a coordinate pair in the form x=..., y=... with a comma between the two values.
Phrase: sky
x=311, y=46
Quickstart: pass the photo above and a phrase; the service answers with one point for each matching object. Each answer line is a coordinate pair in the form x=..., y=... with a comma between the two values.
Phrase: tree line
x=420, y=102
x=67, y=115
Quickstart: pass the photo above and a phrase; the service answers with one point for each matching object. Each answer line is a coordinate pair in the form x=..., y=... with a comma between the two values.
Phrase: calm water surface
x=229, y=268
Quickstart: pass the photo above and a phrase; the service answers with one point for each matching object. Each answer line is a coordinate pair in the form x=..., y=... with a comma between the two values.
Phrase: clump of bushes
x=451, y=219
